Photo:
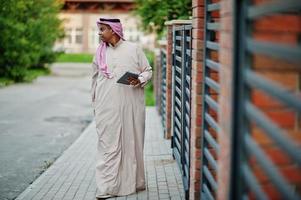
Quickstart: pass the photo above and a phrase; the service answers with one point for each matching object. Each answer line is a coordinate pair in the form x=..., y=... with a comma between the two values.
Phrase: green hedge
x=28, y=30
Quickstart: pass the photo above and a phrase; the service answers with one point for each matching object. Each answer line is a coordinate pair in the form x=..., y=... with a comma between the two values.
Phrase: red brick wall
x=157, y=80
x=196, y=97
x=168, y=134
x=225, y=99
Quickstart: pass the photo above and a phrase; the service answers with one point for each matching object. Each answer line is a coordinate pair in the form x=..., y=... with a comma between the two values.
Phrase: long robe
x=119, y=112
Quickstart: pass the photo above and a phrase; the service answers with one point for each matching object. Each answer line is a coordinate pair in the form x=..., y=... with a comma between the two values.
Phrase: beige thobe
x=120, y=121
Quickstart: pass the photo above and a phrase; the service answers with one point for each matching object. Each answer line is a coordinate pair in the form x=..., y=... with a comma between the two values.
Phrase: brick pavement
x=72, y=176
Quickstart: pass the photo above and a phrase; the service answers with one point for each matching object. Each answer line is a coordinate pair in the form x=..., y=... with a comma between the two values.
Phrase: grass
x=149, y=95
x=87, y=58
x=75, y=57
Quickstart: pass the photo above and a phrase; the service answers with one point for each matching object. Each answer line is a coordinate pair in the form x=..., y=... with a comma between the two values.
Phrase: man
x=119, y=112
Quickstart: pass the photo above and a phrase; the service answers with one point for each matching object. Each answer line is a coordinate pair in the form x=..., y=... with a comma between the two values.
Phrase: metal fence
x=249, y=154
x=181, y=89
x=211, y=89
x=163, y=88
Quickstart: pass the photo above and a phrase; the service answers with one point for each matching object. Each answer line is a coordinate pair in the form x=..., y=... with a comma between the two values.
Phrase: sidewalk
x=71, y=177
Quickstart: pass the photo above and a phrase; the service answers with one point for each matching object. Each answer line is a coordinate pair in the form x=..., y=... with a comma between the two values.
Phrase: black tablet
x=124, y=78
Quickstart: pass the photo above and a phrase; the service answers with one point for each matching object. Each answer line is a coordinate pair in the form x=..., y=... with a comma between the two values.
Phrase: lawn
x=149, y=96
x=75, y=57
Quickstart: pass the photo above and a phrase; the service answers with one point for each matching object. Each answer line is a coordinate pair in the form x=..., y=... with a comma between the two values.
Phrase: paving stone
x=72, y=176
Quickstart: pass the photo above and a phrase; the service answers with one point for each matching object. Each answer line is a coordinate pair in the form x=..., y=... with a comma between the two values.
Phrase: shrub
x=154, y=13
x=28, y=30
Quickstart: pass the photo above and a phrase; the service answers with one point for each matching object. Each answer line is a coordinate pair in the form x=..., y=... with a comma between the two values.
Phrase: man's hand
x=133, y=81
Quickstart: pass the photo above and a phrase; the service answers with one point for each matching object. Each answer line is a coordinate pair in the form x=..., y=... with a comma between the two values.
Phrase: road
x=38, y=121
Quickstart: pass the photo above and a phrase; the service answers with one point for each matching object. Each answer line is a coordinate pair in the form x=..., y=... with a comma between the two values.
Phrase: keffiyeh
x=116, y=26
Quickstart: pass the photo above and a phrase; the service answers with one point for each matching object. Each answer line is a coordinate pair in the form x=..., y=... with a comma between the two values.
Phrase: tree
x=28, y=30
x=154, y=13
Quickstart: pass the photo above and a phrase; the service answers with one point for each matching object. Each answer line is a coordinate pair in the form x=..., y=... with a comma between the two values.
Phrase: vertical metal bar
x=205, y=91
x=298, y=114
x=190, y=67
x=182, y=77
x=245, y=64
x=237, y=103
x=182, y=100
x=173, y=90
x=242, y=62
x=161, y=78
x=184, y=108
x=158, y=83
x=185, y=98
x=162, y=103
x=240, y=124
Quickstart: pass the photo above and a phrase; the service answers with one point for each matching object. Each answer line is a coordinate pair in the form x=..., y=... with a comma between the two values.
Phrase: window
x=93, y=36
x=78, y=35
x=68, y=37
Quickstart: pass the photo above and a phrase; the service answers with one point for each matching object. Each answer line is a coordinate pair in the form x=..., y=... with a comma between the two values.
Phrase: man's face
x=105, y=32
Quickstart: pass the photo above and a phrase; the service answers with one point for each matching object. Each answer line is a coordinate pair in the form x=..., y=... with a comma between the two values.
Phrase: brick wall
x=225, y=99
x=196, y=97
x=157, y=80
x=168, y=134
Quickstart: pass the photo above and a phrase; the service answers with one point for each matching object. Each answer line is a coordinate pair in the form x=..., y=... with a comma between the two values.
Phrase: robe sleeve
x=145, y=68
x=94, y=79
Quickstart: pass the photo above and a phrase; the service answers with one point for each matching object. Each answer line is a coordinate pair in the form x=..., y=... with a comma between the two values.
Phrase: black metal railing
x=249, y=116
x=181, y=90
x=163, y=88
x=211, y=89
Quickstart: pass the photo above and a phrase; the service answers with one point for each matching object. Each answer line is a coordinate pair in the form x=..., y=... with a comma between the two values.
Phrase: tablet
x=124, y=78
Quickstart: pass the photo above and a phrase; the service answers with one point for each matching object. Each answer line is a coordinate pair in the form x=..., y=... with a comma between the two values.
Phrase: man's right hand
x=133, y=81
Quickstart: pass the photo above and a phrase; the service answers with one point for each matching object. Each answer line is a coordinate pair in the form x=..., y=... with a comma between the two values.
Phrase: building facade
x=79, y=21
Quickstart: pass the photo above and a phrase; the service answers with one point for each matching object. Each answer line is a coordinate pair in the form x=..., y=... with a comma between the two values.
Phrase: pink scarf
x=101, y=50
